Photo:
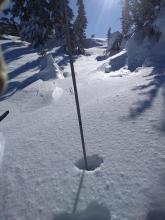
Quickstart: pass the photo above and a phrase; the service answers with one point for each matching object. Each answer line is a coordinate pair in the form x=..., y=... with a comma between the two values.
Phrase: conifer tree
x=38, y=19
x=144, y=12
x=126, y=19
x=36, y=22
x=80, y=26
x=57, y=16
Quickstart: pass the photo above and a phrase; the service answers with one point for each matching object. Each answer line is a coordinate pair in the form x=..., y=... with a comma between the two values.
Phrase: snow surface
x=124, y=125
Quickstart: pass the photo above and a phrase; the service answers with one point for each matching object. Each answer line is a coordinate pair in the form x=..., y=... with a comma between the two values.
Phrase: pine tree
x=36, y=25
x=143, y=14
x=34, y=20
x=80, y=26
x=57, y=16
x=126, y=19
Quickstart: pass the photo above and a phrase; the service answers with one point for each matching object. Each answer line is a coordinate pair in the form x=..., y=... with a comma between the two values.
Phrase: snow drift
x=115, y=62
x=51, y=69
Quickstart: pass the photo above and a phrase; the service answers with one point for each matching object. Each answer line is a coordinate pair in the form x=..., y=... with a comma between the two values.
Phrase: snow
x=51, y=70
x=2, y=144
x=115, y=62
x=123, y=120
x=113, y=37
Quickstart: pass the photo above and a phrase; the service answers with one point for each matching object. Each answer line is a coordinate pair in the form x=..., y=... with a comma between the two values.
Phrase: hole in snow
x=94, y=162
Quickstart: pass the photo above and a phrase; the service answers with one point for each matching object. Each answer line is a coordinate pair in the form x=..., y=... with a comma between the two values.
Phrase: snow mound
x=51, y=69
x=115, y=62
x=113, y=38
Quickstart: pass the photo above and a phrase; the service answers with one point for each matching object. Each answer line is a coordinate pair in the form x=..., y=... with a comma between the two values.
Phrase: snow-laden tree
x=80, y=26
x=38, y=19
x=146, y=45
x=33, y=18
x=126, y=19
x=36, y=26
x=34, y=31
x=144, y=13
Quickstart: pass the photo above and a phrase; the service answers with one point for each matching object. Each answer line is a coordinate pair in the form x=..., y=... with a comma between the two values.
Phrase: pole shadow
x=94, y=211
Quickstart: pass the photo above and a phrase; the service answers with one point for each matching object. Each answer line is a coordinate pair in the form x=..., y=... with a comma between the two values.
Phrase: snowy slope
x=124, y=124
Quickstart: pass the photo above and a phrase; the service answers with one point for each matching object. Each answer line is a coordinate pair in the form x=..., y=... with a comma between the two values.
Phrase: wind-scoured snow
x=124, y=124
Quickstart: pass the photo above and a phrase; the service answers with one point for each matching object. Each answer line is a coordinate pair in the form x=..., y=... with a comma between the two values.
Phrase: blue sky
x=101, y=15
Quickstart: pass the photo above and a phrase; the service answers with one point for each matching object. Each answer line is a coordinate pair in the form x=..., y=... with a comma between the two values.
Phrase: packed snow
x=123, y=117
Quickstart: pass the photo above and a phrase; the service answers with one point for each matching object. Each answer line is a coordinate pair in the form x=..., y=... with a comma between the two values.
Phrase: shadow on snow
x=93, y=212
x=13, y=87
x=16, y=52
x=156, y=83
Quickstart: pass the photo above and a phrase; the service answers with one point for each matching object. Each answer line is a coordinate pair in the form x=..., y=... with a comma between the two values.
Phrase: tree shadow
x=15, y=86
x=16, y=52
x=36, y=64
x=150, y=91
x=24, y=68
x=93, y=212
x=102, y=57
x=61, y=52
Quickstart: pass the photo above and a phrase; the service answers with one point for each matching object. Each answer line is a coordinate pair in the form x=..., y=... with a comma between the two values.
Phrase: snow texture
x=124, y=125
x=2, y=145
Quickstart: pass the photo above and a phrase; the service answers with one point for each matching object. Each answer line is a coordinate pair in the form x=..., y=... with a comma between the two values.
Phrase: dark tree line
x=37, y=20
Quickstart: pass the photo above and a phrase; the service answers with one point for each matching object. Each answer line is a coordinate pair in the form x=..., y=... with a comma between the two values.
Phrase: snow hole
x=94, y=162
